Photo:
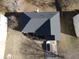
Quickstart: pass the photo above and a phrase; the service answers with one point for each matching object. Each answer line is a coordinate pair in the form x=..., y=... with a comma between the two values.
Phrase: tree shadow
x=58, y=5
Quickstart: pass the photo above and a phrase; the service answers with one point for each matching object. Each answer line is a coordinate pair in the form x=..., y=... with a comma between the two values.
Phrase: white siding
x=3, y=35
x=55, y=26
x=76, y=24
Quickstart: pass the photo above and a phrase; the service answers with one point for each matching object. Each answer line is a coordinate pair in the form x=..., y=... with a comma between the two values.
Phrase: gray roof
x=44, y=23
x=41, y=14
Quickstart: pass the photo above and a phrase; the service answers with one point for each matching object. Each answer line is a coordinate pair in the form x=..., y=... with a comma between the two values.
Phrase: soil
x=19, y=46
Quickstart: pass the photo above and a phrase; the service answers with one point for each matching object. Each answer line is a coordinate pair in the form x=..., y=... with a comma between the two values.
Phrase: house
x=45, y=24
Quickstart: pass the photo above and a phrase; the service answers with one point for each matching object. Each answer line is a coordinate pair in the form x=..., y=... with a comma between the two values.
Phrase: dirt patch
x=22, y=47
x=69, y=47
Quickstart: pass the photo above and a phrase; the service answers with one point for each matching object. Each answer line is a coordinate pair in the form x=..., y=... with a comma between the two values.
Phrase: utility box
x=45, y=24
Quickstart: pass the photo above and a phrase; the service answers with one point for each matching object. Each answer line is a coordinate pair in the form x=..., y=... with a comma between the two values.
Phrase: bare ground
x=69, y=47
x=22, y=47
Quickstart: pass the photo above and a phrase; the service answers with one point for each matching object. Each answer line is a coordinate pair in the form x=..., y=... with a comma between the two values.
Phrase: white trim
x=3, y=35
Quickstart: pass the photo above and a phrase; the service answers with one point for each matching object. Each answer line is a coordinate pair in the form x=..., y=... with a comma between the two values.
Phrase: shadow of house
x=67, y=25
x=21, y=19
